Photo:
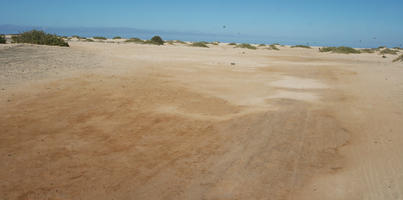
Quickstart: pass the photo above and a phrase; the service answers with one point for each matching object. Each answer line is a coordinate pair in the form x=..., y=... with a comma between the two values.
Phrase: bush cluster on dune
x=301, y=46
x=39, y=37
x=99, y=38
x=2, y=39
x=389, y=51
x=199, y=44
x=246, y=46
x=273, y=47
x=400, y=58
x=342, y=49
x=156, y=40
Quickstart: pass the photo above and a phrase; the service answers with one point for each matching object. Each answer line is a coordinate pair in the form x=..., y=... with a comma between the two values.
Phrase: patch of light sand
x=298, y=83
x=302, y=96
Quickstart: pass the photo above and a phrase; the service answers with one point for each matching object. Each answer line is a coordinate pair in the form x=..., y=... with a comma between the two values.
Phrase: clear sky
x=338, y=20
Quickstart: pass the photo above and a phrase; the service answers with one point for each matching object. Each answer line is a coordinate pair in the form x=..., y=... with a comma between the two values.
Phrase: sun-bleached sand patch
x=302, y=96
x=298, y=83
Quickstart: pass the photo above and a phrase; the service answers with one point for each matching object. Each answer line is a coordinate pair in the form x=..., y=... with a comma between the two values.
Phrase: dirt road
x=126, y=121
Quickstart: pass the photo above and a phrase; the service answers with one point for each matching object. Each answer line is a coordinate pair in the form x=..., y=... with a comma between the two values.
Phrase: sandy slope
x=127, y=121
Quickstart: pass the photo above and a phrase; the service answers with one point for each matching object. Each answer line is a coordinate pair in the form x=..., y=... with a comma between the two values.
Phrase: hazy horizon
x=352, y=23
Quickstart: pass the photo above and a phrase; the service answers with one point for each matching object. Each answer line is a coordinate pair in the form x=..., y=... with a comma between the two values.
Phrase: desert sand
x=130, y=121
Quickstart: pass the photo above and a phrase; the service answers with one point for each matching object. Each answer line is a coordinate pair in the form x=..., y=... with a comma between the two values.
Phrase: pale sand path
x=127, y=121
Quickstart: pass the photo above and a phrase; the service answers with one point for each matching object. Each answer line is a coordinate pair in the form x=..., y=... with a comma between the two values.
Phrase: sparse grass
x=171, y=42
x=262, y=45
x=342, y=49
x=79, y=37
x=2, y=39
x=117, y=37
x=301, y=46
x=135, y=40
x=246, y=46
x=389, y=51
x=180, y=42
x=232, y=43
x=199, y=44
x=273, y=47
x=99, y=38
x=400, y=59
x=39, y=37
x=367, y=51
x=214, y=43
x=397, y=48
x=89, y=40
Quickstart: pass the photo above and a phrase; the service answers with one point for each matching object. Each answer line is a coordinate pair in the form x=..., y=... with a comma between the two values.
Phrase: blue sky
x=332, y=20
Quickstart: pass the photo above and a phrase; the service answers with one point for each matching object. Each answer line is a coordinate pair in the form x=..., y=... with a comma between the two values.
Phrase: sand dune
x=128, y=121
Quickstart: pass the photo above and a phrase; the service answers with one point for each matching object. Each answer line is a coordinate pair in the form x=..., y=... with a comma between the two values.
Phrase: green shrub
x=99, y=38
x=157, y=40
x=89, y=40
x=389, y=51
x=199, y=44
x=400, y=58
x=117, y=37
x=135, y=40
x=232, y=43
x=180, y=42
x=301, y=46
x=39, y=37
x=397, y=48
x=2, y=39
x=273, y=47
x=262, y=45
x=78, y=37
x=367, y=51
x=245, y=45
x=342, y=49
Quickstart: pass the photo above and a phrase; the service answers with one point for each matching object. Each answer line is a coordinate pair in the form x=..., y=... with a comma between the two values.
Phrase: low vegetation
x=399, y=59
x=232, y=43
x=262, y=45
x=99, y=38
x=89, y=40
x=246, y=46
x=342, y=49
x=135, y=40
x=398, y=48
x=214, y=43
x=301, y=46
x=199, y=44
x=367, y=50
x=156, y=40
x=171, y=42
x=39, y=37
x=389, y=51
x=117, y=37
x=79, y=37
x=273, y=47
x=2, y=39
x=180, y=42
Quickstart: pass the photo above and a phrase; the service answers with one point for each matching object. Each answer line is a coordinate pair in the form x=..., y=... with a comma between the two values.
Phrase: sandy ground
x=127, y=121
